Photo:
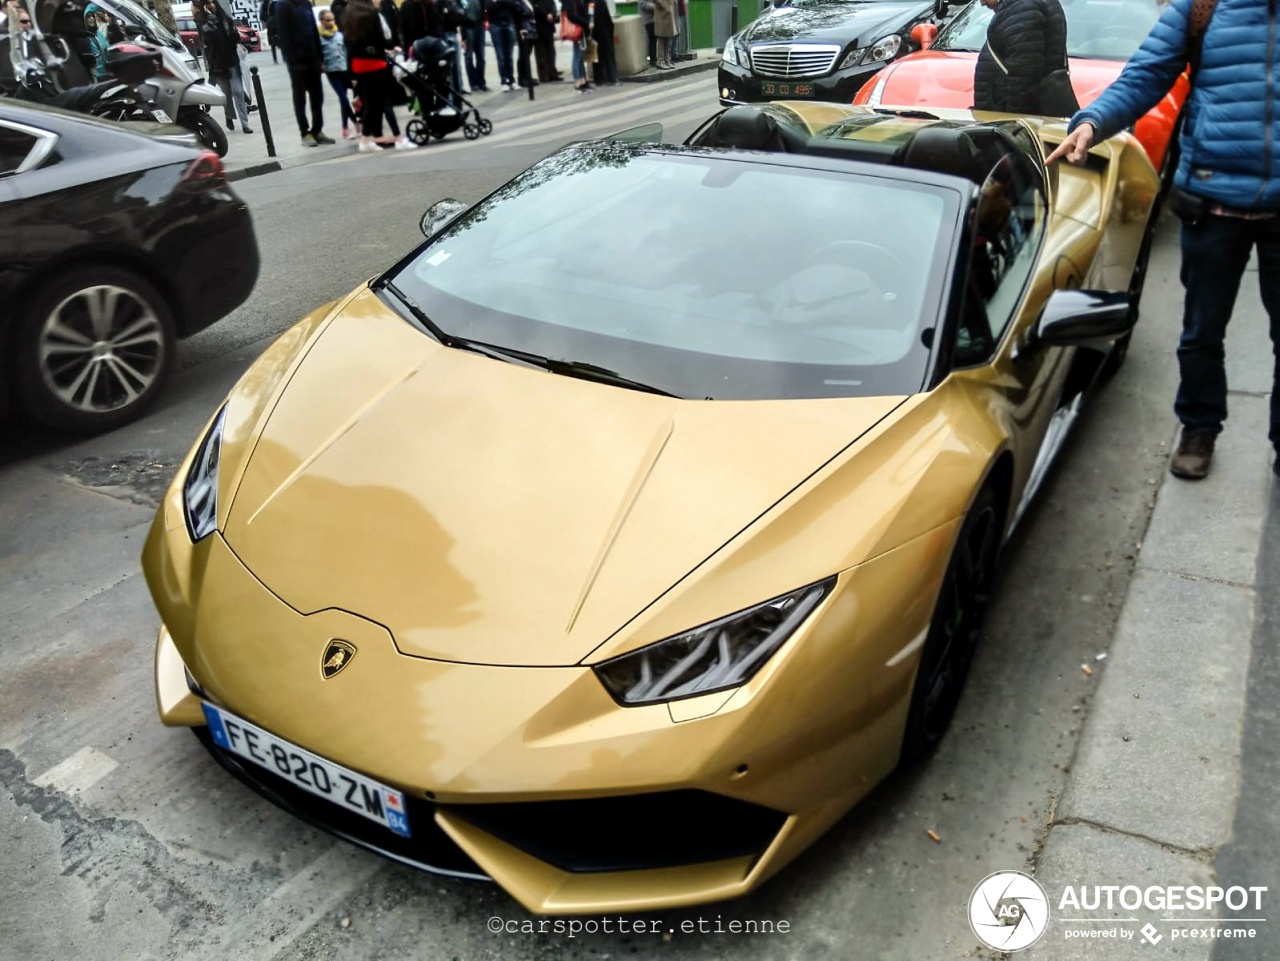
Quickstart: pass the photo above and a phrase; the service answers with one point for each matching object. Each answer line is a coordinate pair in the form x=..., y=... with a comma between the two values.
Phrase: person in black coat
x=547, y=25
x=527, y=34
x=268, y=16
x=221, y=42
x=300, y=44
x=606, y=66
x=1026, y=41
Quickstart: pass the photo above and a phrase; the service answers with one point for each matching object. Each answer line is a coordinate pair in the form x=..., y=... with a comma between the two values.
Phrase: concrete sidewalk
x=1154, y=795
x=247, y=154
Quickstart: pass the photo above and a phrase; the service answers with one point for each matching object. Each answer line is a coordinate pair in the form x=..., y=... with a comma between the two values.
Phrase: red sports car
x=1101, y=36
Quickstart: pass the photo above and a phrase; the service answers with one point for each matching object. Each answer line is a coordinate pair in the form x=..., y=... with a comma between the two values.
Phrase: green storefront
x=710, y=21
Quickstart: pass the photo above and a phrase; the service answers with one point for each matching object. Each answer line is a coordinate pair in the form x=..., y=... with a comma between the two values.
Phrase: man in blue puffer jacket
x=1226, y=189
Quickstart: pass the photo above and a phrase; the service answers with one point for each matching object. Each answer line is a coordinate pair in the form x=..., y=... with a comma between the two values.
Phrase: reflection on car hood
x=840, y=23
x=493, y=513
x=944, y=78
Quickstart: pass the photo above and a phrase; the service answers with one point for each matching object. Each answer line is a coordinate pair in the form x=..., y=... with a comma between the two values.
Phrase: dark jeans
x=606, y=66
x=339, y=81
x=522, y=62
x=504, y=42
x=1214, y=255
x=653, y=43
x=306, y=85
x=473, y=37
x=544, y=54
x=372, y=88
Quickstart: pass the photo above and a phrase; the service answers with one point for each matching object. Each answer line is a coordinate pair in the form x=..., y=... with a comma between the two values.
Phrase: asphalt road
x=125, y=840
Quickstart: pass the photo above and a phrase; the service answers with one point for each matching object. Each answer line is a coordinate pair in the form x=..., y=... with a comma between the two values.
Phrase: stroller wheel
x=486, y=127
x=417, y=131
x=470, y=131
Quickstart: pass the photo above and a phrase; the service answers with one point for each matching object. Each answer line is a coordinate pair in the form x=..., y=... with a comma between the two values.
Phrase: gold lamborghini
x=620, y=538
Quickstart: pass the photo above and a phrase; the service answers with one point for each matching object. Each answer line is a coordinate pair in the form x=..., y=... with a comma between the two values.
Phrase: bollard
x=262, y=112
x=733, y=19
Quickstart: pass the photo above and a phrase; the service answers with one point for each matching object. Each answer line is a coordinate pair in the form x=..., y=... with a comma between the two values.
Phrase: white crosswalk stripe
x=595, y=114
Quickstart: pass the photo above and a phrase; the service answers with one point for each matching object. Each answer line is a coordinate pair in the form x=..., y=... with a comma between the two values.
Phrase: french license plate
x=161, y=116
x=333, y=782
x=770, y=89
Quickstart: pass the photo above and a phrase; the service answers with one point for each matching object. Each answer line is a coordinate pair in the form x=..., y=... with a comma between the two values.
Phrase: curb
x=657, y=76
x=254, y=170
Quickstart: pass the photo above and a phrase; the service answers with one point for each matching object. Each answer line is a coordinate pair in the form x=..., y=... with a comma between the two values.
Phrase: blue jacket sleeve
x=1148, y=76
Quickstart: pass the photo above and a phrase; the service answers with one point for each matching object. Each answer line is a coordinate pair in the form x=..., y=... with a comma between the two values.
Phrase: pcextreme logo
x=1009, y=911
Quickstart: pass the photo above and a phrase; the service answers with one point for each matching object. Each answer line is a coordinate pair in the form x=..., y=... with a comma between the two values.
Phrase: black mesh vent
x=629, y=833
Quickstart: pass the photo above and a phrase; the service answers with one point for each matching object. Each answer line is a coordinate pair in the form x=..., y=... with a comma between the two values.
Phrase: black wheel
x=417, y=131
x=486, y=127
x=953, y=632
x=470, y=131
x=207, y=130
x=95, y=346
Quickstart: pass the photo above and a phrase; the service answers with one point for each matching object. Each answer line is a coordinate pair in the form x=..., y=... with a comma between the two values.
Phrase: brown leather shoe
x=1194, y=454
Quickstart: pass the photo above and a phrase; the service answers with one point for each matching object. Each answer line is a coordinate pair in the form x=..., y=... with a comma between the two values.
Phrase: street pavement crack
x=1205, y=855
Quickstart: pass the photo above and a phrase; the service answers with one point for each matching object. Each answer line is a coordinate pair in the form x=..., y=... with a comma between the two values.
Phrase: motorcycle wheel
x=207, y=130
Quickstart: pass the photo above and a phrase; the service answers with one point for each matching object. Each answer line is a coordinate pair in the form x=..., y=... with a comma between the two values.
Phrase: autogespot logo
x=1008, y=911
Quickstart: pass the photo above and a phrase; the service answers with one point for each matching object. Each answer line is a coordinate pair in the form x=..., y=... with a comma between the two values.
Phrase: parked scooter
x=151, y=83
x=170, y=92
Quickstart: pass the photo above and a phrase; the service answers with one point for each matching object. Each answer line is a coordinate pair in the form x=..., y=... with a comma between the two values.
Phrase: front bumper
x=535, y=777
x=740, y=85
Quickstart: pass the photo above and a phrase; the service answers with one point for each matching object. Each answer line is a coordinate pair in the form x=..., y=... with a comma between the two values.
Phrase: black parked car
x=820, y=49
x=113, y=244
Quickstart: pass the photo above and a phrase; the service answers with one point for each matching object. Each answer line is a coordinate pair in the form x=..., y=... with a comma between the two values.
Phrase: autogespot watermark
x=572, y=927
x=1010, y=911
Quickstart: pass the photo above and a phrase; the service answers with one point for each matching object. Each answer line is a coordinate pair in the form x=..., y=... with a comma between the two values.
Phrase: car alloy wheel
x=953, y=631
x=97, y=348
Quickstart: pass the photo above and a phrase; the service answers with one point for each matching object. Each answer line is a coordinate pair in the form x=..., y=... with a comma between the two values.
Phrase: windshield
x=1098, y=29
x=138, y=19
x=699, y=275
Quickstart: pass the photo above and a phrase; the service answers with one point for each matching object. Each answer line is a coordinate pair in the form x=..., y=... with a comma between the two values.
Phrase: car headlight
x=854, y=56
x=200, y=490
x=885, y=48
x=714, y=657
x=732, y=54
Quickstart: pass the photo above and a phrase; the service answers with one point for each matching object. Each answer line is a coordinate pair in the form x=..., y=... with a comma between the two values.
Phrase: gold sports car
x=620, y=538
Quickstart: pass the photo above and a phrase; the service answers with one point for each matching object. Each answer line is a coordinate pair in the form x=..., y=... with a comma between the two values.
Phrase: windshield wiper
x=602, y=375
x=567, y=368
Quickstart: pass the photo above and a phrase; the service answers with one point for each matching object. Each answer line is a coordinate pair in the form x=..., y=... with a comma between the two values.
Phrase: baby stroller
x=438, y=105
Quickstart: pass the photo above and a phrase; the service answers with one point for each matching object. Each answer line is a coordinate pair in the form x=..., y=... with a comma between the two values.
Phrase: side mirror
x=645, y=133
x=923, y=35
x=1083, y=318
x=439, y=215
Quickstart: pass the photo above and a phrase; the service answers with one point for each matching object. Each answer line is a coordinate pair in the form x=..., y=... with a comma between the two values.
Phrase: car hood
x=841, y=22
x=491, y=513
x=944, y=78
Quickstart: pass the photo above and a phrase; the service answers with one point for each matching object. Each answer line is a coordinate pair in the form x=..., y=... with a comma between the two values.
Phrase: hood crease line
x=643, y=471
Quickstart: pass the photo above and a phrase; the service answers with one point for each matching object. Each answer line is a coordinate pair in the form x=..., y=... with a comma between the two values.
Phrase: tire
x=417, y=131
x=80, y=373
x=954, y=628
x=207, y=130
x=470, y=131
x=486, y=127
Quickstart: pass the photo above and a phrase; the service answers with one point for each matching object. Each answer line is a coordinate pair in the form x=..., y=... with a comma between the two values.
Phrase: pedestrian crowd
x=360, y=46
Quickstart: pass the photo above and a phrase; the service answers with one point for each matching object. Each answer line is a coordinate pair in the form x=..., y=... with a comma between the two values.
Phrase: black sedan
x=113, y=244
x=819, y=49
